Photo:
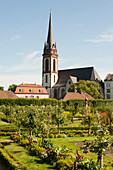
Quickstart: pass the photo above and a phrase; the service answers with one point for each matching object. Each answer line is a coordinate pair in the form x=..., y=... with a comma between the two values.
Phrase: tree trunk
x=19, y=130
x=72, y=118
x=101, y=161
x=30, y=134
x=58, y=129
x=98, y=159
x=89, y=129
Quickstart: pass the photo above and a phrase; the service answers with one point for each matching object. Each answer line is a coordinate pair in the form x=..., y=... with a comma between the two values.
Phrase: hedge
x=92, y=103
x=11, y=161
x=24, y=101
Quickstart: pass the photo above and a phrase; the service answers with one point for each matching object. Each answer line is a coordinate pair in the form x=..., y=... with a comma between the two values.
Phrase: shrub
x=64, y=164
x=51, y=136
x=60, y=136
x=24, y=142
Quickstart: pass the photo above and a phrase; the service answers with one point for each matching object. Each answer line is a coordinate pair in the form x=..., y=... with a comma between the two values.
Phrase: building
x=73, y=95
x=31, y=91
x=108, y=86
x=57, y=82
x=7, y=94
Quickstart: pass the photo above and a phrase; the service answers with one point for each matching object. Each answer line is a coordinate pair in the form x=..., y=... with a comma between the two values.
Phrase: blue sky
x=82, y=29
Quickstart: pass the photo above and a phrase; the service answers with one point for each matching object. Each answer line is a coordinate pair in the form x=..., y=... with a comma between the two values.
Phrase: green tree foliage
x=12, y=87
x=1, y=88
x=17, y=116
x=44, y=120
x=100, y=144
x=58, y=117
x=90, y=87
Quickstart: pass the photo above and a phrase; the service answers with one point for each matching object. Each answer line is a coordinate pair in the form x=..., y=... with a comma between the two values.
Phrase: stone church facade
x=57, y=82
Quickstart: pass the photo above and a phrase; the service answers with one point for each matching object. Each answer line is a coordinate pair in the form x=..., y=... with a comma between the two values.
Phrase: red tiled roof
x=69, y=96
x=30, y=89
x=29, y=85
x=7, y=94
x=109, y=77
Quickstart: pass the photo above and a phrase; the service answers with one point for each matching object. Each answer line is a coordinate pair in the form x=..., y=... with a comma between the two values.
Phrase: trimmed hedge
x=24, y=101
x=92, y=103
x=11, y=161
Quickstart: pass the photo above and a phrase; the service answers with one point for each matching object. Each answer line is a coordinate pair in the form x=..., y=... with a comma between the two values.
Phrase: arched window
x=46, y=78
x=54, y=78
x=55, y=93
x=54, y=65
x=47, y=65
x=62, y=92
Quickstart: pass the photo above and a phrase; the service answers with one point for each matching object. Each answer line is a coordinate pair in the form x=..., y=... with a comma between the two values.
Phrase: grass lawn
x=70, y=142
x=23, y=155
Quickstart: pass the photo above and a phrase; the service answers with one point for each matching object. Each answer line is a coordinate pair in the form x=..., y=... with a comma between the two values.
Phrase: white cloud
x=28, y=63
x=105, y=37
x=15, y=37
x=6, y=80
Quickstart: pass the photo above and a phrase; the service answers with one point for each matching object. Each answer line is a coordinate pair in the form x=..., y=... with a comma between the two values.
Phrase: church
x=58, y=82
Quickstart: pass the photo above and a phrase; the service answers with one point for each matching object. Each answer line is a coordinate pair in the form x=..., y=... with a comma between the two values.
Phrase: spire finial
x=50, y=40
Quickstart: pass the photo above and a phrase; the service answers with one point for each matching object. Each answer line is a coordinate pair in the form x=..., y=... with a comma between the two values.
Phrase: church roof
x=50, y=40
x=87, y=73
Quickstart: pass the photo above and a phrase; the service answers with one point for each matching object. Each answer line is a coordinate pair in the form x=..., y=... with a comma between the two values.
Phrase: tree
x=1, y=88
x=72, y=109
x=99, y=145
x=90, y=87
x=18, y=116
x=12, y=87
x=44, y=120
x=30, y=118
x=58, y=116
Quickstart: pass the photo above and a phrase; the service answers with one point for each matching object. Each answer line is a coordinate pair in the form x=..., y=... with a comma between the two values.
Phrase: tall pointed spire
x=50, y=40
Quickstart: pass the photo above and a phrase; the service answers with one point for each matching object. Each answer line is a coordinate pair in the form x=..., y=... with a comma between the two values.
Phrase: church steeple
x=50, y=61
x=50, y=40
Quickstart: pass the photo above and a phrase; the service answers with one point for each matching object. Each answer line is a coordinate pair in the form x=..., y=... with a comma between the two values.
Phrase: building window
x=21, y=90
x=108, y=90
x=108, y=96
x=32, y=96
x=107, y=84
x=41, y=91
x=37, y=97
x=46, y=79
x=62, y=92
x=26, y=96
x=55, y=93
x=54, y=65
x=54, y=78
x=47, y=65
x=30, y=90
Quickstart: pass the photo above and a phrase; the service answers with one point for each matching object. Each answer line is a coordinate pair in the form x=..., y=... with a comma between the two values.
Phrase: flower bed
x=60, y=157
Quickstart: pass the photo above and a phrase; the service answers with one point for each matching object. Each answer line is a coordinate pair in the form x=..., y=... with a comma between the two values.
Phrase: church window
x=55, y=93
x=47, y=65
x=62, y=92
x=54, y=78
x=54, y=65
x=46, y=79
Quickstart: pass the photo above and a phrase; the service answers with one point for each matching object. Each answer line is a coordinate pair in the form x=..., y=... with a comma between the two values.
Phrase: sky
x=82, y=30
